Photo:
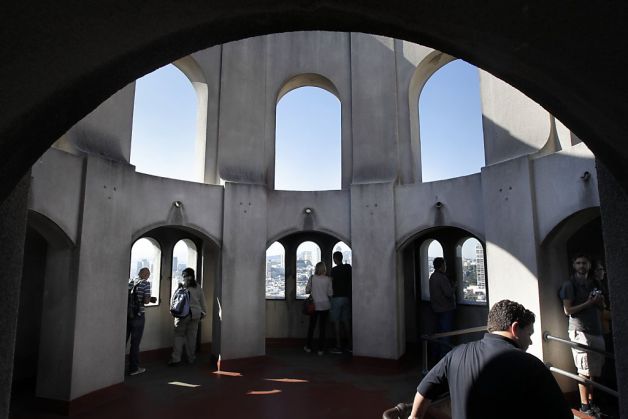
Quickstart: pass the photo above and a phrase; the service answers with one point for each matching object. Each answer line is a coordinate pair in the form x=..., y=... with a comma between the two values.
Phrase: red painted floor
x=288, y=383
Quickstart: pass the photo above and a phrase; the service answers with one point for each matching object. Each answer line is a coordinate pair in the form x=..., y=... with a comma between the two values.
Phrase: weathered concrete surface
x=12, y=232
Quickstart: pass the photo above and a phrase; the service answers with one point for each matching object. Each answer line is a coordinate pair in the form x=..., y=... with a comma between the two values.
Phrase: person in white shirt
x=319, y=286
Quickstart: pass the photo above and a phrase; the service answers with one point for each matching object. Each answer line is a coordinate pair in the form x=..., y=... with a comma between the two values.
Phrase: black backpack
x=133, y=306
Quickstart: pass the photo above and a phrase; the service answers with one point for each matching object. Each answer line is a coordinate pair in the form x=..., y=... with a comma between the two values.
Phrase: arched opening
x=417, y=258
x=430, y=249
x=450, y=121
x=164, y=137
x=580, y=232
x=275, y=272
x=308, y=255
x=346, y=253
x=284, y=318
x=42, y=362
x=308, y=148
x=471, y=269
x=184, y=255
x=146, y=253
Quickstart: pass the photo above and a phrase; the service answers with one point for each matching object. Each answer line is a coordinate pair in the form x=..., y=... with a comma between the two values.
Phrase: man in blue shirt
x=495, y=377
x=140, y=296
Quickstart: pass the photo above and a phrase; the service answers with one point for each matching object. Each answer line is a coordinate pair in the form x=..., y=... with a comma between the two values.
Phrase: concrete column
x=511, y=247
x=103, y=270
x=614, y=208
x=13, y=212
x=242, y=298
x=374, y=104
x=377, y=302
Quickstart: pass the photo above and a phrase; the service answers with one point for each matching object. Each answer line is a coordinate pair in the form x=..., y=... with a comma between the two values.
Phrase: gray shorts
x=340, y=309
x=588, y=363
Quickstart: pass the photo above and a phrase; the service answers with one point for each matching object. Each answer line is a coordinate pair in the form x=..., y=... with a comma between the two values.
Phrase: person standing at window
x=443, y=301
x=139, y=296
x=319, y=285
x=340, y=312
x=186, y=328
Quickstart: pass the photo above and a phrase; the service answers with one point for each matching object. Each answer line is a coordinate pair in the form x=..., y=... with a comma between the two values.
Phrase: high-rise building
x=479, y=266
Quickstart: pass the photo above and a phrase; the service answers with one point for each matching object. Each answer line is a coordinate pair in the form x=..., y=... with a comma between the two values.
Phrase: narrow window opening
x=146, y=253
x=429, y=250
x=308, y=255
x=184, y=255
x=471, y=268
x=275, y=272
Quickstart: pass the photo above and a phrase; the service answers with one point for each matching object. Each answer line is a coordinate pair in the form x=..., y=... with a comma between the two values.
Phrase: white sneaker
x=138, y=371
x=320, y=353
x=306, y=349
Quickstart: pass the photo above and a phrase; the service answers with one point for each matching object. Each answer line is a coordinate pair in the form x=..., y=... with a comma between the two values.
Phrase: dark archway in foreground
x=60, y=60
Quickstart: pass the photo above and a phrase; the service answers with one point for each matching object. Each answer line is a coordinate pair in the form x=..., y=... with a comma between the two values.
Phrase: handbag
x=308, y=306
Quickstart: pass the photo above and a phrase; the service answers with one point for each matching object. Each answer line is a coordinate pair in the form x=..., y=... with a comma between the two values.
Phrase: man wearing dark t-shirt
x=495, y=377
x=340, y=313
x=583, y=302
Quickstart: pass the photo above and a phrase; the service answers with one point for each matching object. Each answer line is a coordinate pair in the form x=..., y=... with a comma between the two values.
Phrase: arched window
x=429, y=250
x=450, y=121
x=346, y=253
x=308, y=141
x=471, y=268
x=308, y=255
x=275, y=272
x=146, y=253
x=163, y=141
x=184, y=255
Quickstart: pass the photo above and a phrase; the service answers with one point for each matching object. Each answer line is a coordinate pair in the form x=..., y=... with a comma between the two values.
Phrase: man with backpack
x=139, y=296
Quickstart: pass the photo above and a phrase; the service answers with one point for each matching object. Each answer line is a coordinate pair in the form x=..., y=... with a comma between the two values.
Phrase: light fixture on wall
x=308, y=211
x=585, y=176
x=177, y=204
x=438, y=204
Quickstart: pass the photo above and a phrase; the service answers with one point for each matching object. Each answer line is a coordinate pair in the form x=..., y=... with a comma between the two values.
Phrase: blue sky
x=307, y=148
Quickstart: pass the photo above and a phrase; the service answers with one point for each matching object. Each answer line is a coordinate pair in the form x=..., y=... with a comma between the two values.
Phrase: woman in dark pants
x=319, y=285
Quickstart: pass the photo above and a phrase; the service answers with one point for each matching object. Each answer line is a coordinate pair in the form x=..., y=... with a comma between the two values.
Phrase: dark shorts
x=340, y=309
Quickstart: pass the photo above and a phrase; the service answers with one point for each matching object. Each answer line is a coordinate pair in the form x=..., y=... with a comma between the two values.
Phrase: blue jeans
x=444, y=323
x=135, y=330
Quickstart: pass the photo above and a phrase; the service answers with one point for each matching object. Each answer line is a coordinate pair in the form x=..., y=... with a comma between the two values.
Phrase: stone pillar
x=511, y=247
x=242, y=298
x=13, y=212
x=614, y=211
x=377, y=301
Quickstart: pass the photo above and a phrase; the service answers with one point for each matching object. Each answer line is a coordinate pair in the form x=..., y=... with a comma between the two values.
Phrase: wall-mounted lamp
x=177, y=204
x=585, y=176
x=307, y=210
x=438, y=204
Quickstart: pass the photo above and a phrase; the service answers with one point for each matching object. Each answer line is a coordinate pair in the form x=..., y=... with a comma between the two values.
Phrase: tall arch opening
x=450, y=121
x=165, y=138
x=471, y=269
x=308, y=255
x=308, y=147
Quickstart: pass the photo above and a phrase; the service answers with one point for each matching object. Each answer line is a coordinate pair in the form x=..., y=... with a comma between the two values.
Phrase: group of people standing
x=479, y=388
x=332, y=298
x=185, y=328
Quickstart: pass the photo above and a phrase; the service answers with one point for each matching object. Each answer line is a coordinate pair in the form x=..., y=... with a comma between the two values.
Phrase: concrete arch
x=498, y=39
x=308, y=79
x=424, y=70
x=422, y=230
x=293, y=231
x=51, y=231
x=193, y=229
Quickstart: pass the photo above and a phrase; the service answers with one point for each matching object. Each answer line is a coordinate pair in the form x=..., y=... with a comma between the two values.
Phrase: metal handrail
x=576, y=345
x=434, y=338
x=582, y=380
